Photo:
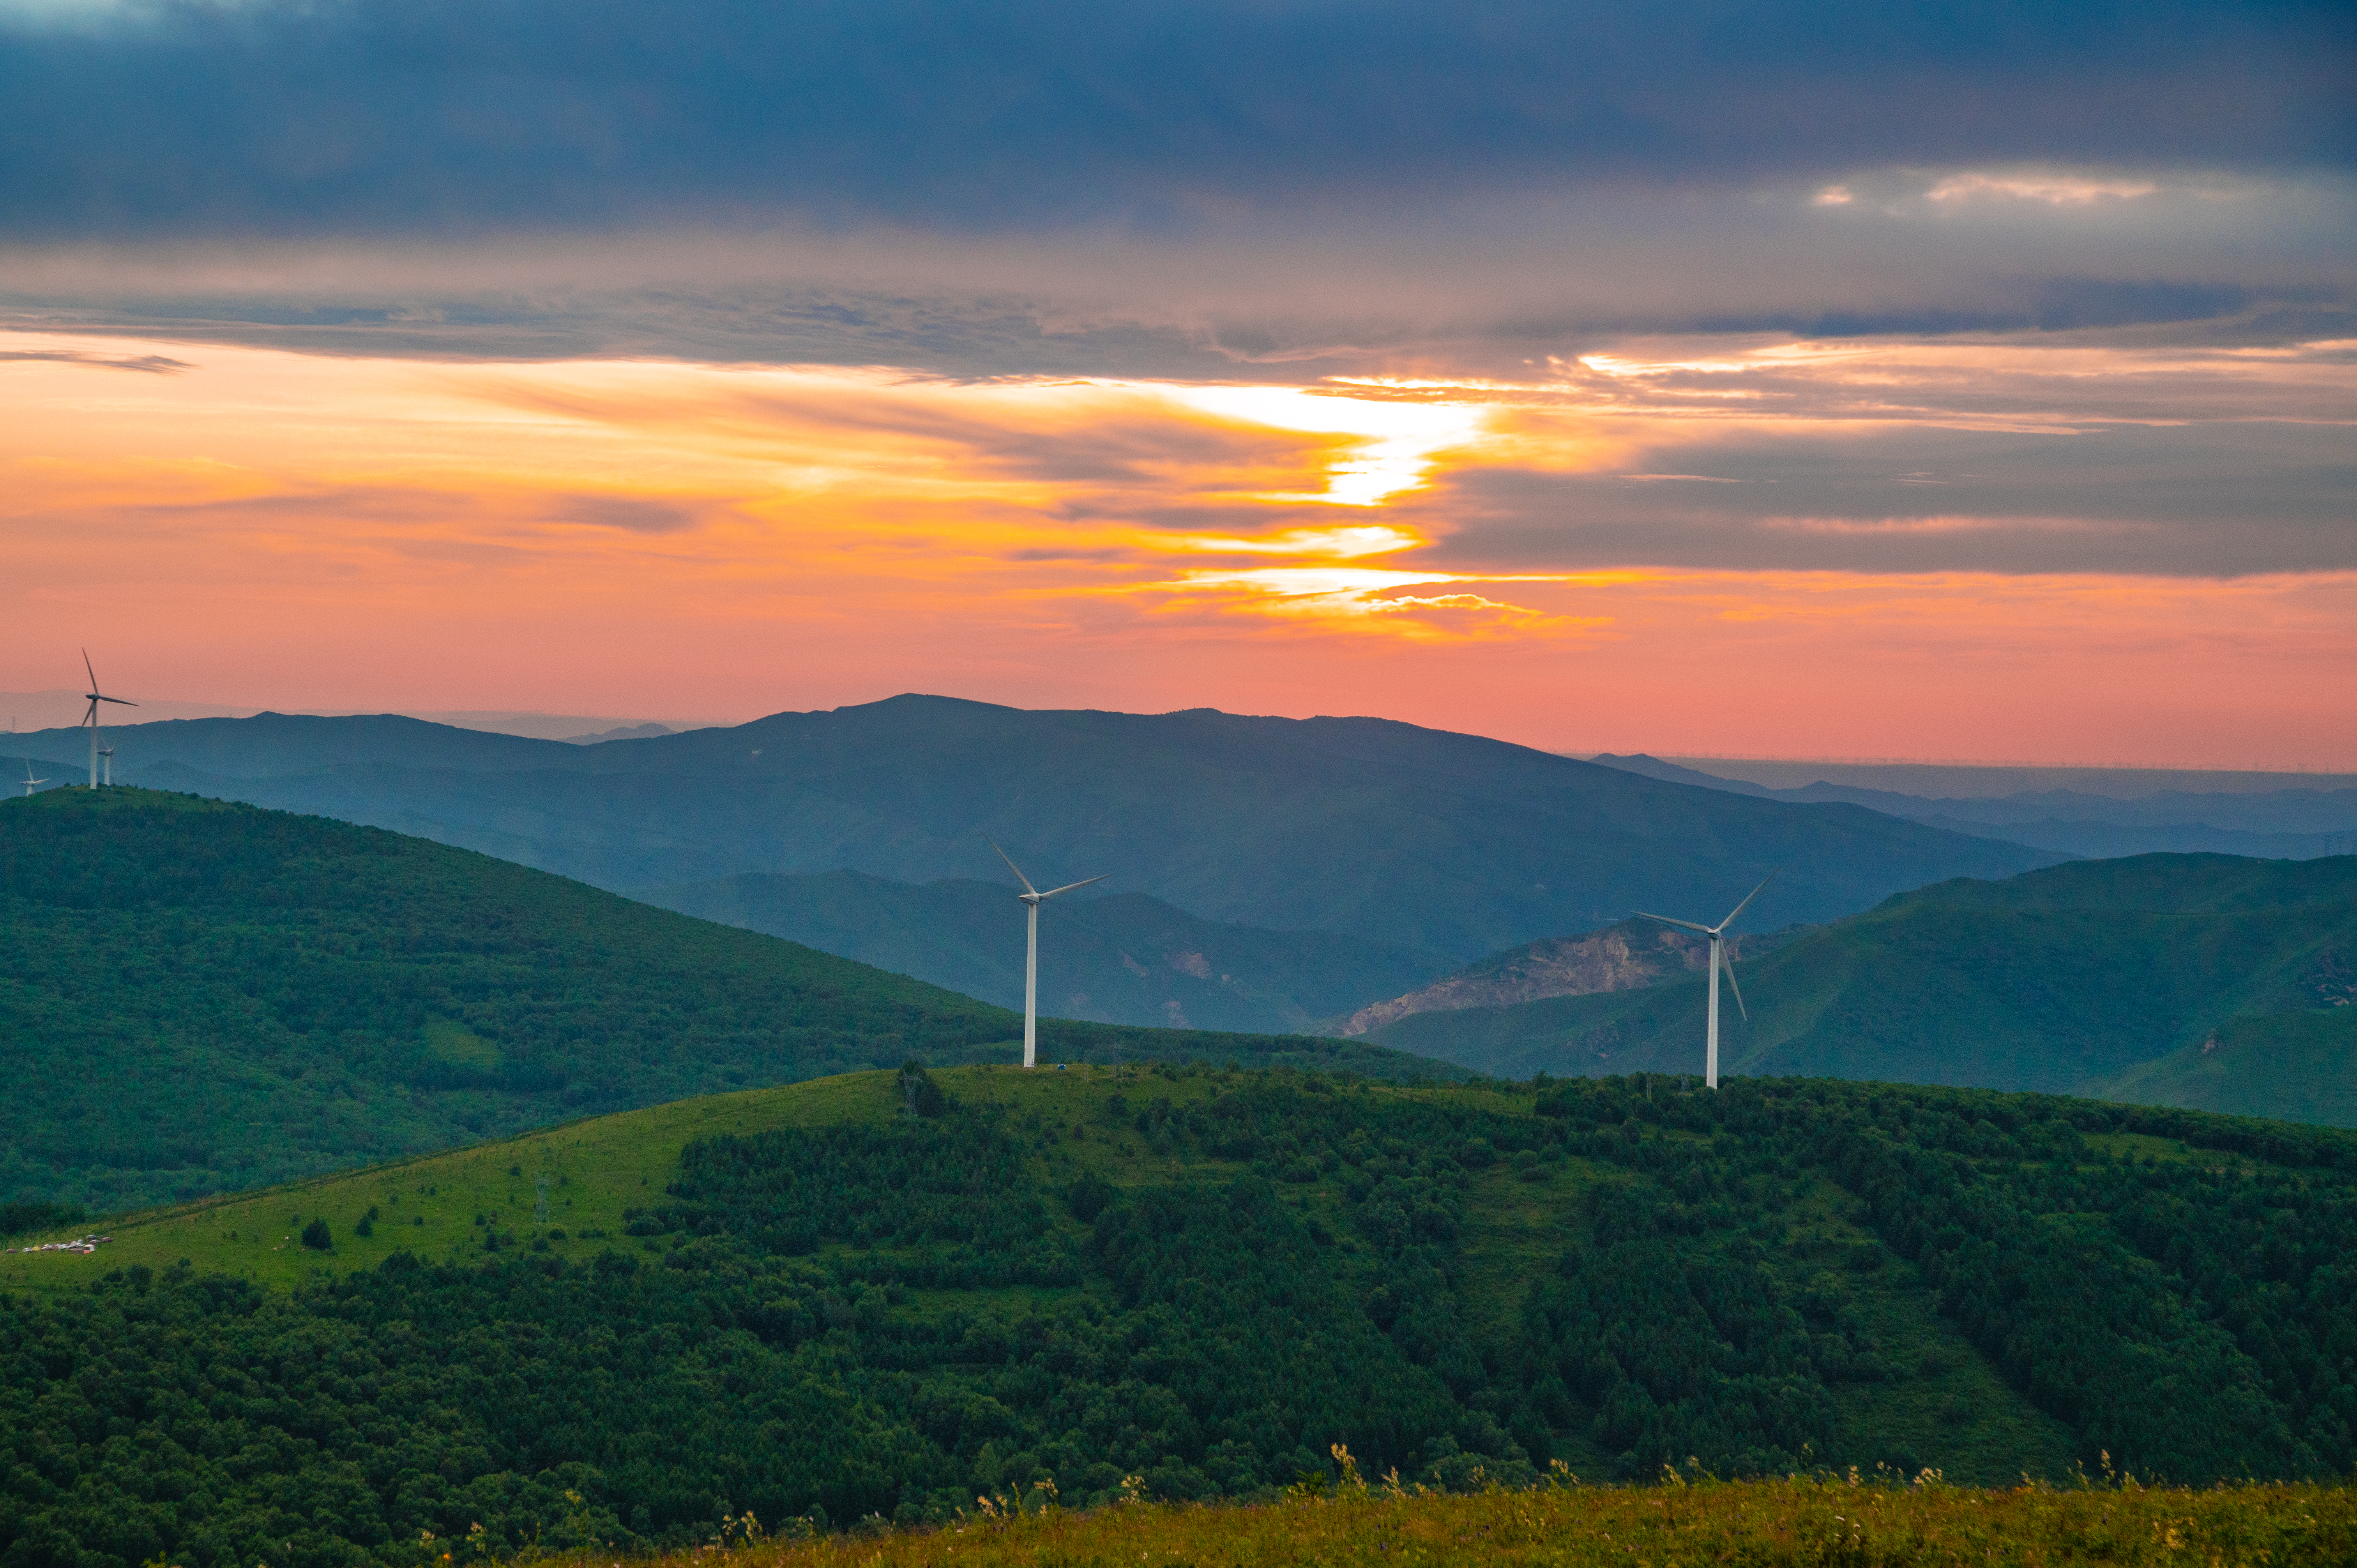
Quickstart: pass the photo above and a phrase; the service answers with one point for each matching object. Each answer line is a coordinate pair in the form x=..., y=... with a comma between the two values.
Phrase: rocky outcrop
x=1618, y=958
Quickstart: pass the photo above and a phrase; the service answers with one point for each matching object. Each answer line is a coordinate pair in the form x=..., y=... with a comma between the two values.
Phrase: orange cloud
x=610, y=536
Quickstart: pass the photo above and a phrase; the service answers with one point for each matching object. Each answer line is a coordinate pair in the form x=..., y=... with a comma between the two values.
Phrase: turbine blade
x=1747, y=900
x=88, y=671
x=1689, y=925
x=125, y=701
x=1011, y=865
x=1068, y=886
x=1726, y=962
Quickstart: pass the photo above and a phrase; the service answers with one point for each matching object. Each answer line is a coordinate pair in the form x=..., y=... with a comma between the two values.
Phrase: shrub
x=1090, y=1195
x=923, y=1096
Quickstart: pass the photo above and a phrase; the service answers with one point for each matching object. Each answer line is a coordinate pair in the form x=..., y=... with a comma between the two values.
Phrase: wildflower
x=1349, y=1466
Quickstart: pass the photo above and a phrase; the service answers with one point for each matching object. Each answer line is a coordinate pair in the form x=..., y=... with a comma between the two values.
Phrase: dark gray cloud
x=150, y=364
x=449, y=118
x=629, y=515
x=2203, y=500
x=1437, y=321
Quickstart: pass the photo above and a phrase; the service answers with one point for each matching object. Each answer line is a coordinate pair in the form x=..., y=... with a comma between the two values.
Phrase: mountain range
x=1412, y=839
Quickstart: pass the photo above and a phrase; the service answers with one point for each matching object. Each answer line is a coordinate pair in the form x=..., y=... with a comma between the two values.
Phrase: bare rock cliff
x=1618, y=958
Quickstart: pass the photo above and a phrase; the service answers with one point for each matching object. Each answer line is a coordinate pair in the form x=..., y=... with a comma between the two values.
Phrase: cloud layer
x=1934, y=378
x=409, y=116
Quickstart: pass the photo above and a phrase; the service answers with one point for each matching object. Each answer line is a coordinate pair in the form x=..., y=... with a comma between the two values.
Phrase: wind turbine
x=1034, y=897
x=31, y=783
x=1717, y=935
x=89, y=719
x=108, y=773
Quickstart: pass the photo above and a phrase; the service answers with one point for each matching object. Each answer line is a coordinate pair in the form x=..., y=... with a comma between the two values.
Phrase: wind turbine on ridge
x=1717, y=935
x=1033, y=898
x=90, y=720
x=31, y=783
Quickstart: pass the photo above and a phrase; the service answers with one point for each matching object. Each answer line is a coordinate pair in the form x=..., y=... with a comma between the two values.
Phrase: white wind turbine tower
x=1717, y=935
x=90, y=720
x=31, y=783
x=108, y=752
x=1033, y=898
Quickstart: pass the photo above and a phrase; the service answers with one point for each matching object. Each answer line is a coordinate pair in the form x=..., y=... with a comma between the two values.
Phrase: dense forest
x=1193, y=1282
x=202, y=998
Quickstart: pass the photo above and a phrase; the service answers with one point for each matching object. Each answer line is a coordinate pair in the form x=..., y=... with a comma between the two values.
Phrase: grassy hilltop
x=809, y=1301
x=2200, y=980
x=202, y=998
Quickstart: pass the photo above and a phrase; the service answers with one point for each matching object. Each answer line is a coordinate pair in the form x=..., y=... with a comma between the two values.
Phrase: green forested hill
x=199, y=997
x=813, y=1302
x=2080, y=977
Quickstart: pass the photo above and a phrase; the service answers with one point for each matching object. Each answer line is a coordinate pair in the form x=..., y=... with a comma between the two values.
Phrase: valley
x=1115, y=958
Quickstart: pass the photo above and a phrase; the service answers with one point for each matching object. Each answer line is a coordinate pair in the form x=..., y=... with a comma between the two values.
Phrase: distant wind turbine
x=1033, y=898
x=89, y=719
x=1717, y=949
x=31, y=783
x=107, y=773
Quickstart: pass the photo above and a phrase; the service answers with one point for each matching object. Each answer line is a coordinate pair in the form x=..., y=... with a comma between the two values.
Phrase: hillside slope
x=1385, y=831
x=1121, y=958
x=2061, y=979
x=813, y=1303
x=2257, y=1065
x=202, y=998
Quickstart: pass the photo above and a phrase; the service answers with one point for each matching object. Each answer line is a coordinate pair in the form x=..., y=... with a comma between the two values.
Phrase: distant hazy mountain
x=2297, y=824
x=1410, y=837
x=1120, y=959
x=2098, y=977
x=1622, y=957
x=621, y=732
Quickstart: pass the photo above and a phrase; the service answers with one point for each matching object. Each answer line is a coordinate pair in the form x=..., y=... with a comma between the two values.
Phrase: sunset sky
x=1807, y=380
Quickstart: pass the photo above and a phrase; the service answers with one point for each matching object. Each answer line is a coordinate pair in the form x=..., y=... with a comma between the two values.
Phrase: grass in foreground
x=1844, y=1520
